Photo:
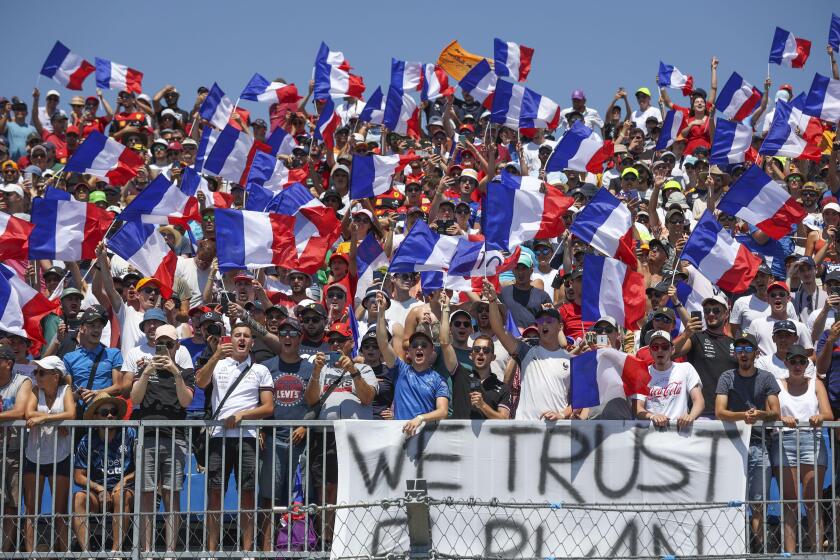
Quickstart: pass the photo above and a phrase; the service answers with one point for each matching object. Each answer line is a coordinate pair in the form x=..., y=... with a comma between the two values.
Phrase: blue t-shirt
x=17, y=135
x=120, y=458
x=80, y=361
x=195, y=349
x=416, y=392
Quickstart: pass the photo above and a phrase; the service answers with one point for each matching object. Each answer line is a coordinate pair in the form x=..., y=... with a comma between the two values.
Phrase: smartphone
x=590, y=338
x=332, y=358
x=224, y=340
x=475, y=386
x=697, y=315
x=160, y=349
x=602, y=340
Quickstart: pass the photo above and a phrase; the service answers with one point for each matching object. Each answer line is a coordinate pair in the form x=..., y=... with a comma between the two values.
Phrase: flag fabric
x=271, y=173
x=216, y=108
x=718, y=257
x=401, y=113
x=512, y=59
x=328, y=122
x=110, y=75
x=261, y=90
x=14, y=237
x=354, y=332
x=602, y=277
x=834, y=33
x=808, y=127
x=670, y=77
x=208, y=139
x=161, y=202
x=370, y=257
x=788, y=50
x=67, y=230
x=782, y=138
x=607, y=225
x=374, y=110
x=672, y=125
x=282, y=142
x=371, y=176
x=232, y=154
x=480, y=83
x=332, y=76
x=105, y=158
x=695, y=291
x=603, y=375
x=516, y=106
x=66, y=68
x=423, y=250
x=22, y=307
x=731, y=143
x=143, y=246
x=580, y=149
x=456, y=61
x=762, y=202
x=738, y=98
x=193, y=183
x=823, y=100
x=254, y=239
x=435, y=83
x=474, y=259
x=406, y=75
x=522, y=209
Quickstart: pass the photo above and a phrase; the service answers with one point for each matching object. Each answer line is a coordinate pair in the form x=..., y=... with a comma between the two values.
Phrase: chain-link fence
x=156, y=489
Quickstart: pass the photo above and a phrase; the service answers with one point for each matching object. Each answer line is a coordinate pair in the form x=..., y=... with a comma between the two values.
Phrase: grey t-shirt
x=523, y=309
x=343, y=402
x=747, y=392
x=290, y=382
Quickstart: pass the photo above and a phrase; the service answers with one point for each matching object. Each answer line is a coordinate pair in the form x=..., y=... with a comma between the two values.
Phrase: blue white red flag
x=602, y=297
x=601, y=376
x=143, y=246
x=732, y=143
x=216, y=108
x=328, y=122
x=738, y=98
x=435, y=83
x=607, y=225
x=480, y=83
x=66, y=68
x=783, y=139
x=22, y=307
x=161, y=202
x=406, y=76
x=580, y=149
x=512, y=59
x=370, y=257
x=788, y=50
x=110, y=75
x=823, y=100
x=66, y=230
x=424, y=250
x=401, y=113
x=670, y=77
x=105, y=158
x=254, y=239
x=374, y=110
x=260, y=89
x=14, y=237
x=332, y=76
x=672, y=125
x=371, y=176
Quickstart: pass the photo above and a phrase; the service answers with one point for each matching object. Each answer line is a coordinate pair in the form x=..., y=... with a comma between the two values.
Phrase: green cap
x=97, y=196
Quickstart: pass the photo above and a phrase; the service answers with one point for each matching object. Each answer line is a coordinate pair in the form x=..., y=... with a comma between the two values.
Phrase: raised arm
x=496, y=322
x=33, y=113
x=449, y=356
x=103, y=275
x=834, y=71
x=713, y=88
x=388, y=354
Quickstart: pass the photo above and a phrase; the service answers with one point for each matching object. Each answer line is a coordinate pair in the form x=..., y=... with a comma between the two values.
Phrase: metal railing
x=188, y=496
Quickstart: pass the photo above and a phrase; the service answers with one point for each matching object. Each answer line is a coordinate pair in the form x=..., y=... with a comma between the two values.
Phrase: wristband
x=355, y=374
x=677, y=305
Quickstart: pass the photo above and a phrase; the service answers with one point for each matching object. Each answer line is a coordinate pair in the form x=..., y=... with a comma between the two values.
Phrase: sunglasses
x=208, y=218
x=543, y=251
x=658, y=347
x=663, y=319
x=105, y=412
x=412, y=190
x=336, y=295
x=743, y=349
x=152, y=291
x=603, y=330
x=463, y=211
x=361, y=219
x=631, y=178
x=482, y=349
x=337, y=340
x=421, y=345
x=462, y=324
x=676, y=222
x=712, y=311
x=288, y=333
x=311, y=320
x=798, y=361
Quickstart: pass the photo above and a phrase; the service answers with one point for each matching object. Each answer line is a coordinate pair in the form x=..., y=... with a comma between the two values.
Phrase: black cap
x=797, y=350
x=765, y=268
x=6, y=353
x=131, y=274
x=57, y=270
x=834, y=275
x=300, y=310
x=551, y=311
x=210, y=316
x=574, y=274
x=94, y=313
x=699, y=91
x=784, y=326
x=371, y=334
x=256, y=304
x=292, y=323
x=748, y=338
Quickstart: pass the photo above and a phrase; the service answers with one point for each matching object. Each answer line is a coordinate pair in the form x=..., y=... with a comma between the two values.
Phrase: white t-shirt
x=532, y=156
x=398, y=312
x=245, y=396
x=762, y=329
x=130, y=332
x=546, y=378
x=640, y=117
x=194, y=278
x=747, y=309
x=777, y=367
x=812, y=318
x=144, y=352
x=669, y=390
x=547, y=278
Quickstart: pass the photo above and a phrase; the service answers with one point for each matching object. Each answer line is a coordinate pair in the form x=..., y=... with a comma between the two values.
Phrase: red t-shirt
x=60, y=143
x=573, y=326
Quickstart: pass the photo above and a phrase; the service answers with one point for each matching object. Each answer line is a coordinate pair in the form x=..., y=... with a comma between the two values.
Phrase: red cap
x=73, y=130
x=91, y=98
x=778, y=284
x=341, y=328
x=175, y=146
x=470, y=127
x=342, y=256
x=787, y=87
x=198, y=309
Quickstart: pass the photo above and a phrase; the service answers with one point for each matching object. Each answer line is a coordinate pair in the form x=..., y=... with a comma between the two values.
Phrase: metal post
x=419, y=520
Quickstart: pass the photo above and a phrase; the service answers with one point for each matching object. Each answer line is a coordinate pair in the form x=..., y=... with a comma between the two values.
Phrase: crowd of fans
x=278, y=344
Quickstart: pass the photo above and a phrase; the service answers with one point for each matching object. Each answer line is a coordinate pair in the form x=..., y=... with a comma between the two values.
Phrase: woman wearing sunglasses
x=48, y=448
x=801, y=452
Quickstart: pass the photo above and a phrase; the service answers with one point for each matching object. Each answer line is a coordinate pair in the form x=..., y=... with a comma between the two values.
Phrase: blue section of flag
x=583, y=389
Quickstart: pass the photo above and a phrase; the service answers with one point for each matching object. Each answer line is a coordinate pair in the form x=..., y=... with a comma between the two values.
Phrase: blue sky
x=596, y=45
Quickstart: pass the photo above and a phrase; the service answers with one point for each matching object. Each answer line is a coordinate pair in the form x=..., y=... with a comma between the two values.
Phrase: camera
x=475, y=386
x=443, y=225
x=214, y=329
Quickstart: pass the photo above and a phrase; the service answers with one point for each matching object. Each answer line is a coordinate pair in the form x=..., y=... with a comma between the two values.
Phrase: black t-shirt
x=260, y=352
x=495, y=393
x=161, y=399
x=384, y=391
x=711, y=355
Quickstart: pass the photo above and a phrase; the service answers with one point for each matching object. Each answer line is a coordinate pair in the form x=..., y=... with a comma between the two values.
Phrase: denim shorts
x=758, y=473
x=810, y=448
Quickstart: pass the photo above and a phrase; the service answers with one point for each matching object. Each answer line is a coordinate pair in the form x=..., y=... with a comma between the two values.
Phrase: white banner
x=565, y=464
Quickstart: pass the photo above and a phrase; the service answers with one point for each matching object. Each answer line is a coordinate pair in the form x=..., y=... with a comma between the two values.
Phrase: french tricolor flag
x=193, y=183
x=22, y=307
x=783, y=140
x=67, y=230
x=401, y=114
x=602, y=277
x=473, y=259
x=315, y=227
x=282, y=142
x=374, y=110
x=161, y=202
x=232, y=154
x=271, y=173
x=216, y=108
x=66, y=68
x=423, y=250
x=810, y=128
x=580, y=149
x=371, y=176
x=435, y=83
x=516, y=106
x=332, y=76
x=406, y=75
x=762, y=202
x=604, y=375
x=522, y=209
x=143, y=246
x=718, y=257
x=14, y=237
x=738, y=98
x=823, y=100
x=106, y=158
x=512, y=59
x=672, y=125
x=788, y=50
x=328, y=122
x=480, y=83
x=731, y=143
x=370, y=257
x=607, y=225
x=254, y=239
x=110, y=75
x=260, y=89
x=670, y=77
